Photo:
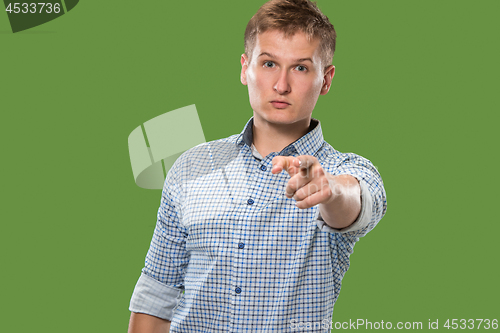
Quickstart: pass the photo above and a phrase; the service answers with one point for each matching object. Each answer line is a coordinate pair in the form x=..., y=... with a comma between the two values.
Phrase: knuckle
x=325, y=182
x=337, y=189
x=328, y=191
x=298, y=196
x=294, y=182
x=318, y=171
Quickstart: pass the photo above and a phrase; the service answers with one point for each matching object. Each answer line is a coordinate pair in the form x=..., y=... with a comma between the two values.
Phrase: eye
x=269, y=64
x=301, y=68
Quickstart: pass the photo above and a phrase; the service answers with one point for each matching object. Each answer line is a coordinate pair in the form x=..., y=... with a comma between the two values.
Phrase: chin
x=281, y=119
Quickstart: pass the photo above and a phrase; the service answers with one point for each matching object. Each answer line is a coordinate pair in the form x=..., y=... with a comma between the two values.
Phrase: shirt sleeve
x=161, y=283
x=373, y=197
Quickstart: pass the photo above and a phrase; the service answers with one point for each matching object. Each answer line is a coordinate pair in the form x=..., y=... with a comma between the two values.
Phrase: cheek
x=316, y=87
x=310, y=93
x=253, y=80
x=254, y=86
x=309, y=89
x=318, y=84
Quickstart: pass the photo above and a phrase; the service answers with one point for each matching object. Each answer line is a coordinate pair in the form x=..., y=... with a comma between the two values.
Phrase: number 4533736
x=34, y=8
x=471, y=323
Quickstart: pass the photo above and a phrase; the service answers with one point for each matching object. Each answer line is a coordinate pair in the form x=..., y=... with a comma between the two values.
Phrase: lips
x=280, y=104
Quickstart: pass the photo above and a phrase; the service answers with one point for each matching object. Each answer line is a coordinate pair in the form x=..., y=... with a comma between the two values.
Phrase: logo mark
x=156, y=145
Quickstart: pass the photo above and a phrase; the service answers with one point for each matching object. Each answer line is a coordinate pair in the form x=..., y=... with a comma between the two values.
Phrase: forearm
x=144, y=323
x=345, y=204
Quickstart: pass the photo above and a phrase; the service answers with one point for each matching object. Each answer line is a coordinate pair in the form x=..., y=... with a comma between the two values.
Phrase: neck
x=268, y=137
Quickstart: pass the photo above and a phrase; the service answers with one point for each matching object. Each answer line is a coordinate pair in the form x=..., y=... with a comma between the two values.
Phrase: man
x=257, y=228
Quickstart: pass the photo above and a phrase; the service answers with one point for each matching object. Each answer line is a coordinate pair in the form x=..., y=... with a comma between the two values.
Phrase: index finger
x=306, y=161
x=281, y=163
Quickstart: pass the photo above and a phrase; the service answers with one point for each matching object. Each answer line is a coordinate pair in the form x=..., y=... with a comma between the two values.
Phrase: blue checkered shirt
x=231, y=253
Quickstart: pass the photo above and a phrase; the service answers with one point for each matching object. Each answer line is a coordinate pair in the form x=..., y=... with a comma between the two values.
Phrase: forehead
x=293, y=47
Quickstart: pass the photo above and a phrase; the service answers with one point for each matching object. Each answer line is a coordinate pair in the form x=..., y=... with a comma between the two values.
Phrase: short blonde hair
x=289, y=17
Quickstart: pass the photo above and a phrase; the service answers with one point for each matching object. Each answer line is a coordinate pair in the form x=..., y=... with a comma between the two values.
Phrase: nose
x=282, y=85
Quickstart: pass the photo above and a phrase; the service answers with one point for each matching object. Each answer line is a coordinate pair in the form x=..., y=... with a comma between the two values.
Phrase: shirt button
x=250, y=201
x=241, y=245
x=238, y=290
x=263, y=167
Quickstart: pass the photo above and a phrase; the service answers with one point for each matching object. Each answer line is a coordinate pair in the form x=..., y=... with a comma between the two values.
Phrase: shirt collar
x=308, y=144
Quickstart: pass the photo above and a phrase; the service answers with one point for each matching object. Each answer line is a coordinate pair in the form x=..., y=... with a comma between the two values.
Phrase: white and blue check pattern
x=247, y=259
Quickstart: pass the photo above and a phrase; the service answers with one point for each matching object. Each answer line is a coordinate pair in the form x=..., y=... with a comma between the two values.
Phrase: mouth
x=278, y=104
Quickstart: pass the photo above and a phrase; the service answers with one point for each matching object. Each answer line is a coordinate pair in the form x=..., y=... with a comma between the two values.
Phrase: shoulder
x=329, y=156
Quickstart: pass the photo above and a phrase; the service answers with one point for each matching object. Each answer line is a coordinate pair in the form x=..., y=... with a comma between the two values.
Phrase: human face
x=285, y=78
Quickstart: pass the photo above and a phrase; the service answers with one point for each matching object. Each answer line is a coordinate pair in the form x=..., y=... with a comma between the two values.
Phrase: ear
x=244, y=67
x=327, y=79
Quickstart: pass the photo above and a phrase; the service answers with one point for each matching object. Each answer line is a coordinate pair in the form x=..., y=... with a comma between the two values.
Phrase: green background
x=415, y=91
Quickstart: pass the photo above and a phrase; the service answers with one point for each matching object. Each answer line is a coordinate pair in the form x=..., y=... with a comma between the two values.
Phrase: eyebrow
x=272, y=56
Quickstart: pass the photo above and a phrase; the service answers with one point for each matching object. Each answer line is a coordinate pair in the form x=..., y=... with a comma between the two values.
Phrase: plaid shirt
x=231, y=253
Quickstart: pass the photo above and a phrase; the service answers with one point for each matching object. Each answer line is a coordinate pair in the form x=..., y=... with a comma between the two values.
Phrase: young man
x=257, y=228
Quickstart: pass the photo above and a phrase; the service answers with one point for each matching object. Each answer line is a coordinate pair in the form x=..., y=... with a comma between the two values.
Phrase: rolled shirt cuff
x=154, y=298
x=363, y=219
